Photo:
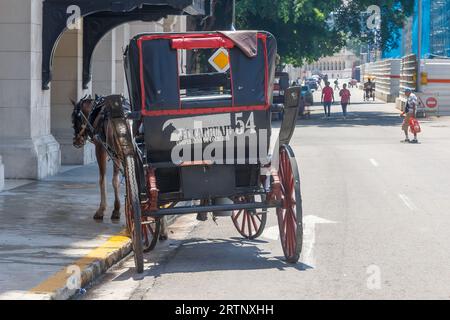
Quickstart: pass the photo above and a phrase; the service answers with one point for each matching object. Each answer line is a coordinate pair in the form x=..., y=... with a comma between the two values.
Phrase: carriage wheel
x=151, y=228
x=250, y=223
x=290, y=214
x=133, y=214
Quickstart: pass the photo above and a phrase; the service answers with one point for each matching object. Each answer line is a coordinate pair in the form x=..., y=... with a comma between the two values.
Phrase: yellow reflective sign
x=220, y=60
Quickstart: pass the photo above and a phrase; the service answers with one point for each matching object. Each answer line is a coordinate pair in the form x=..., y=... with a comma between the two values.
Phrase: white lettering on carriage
x=218, y=139
x=247, y=148
x=186, y=310
x=202, y=129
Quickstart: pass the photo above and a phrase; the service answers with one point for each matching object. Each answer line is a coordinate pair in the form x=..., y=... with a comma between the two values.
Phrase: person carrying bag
x=410, y=122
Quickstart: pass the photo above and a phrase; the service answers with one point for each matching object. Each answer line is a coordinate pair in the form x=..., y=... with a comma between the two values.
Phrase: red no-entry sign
x=431, y=102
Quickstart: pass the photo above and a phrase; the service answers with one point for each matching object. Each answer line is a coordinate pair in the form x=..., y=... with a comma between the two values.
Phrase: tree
x=309, y=29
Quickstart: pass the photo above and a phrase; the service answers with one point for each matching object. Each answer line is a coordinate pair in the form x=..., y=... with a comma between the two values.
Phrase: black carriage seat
x=206, y=88
x=212, y=101
x=200, y=81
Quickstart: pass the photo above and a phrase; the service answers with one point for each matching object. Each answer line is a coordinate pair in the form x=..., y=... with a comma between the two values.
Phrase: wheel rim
x=150, y=233
x=130, y=226
x=290, y=227
x=133, y=214
x=249, y=223
x=150, y=229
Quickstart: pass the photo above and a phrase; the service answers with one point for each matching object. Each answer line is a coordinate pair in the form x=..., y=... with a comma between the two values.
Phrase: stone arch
x=100, y=17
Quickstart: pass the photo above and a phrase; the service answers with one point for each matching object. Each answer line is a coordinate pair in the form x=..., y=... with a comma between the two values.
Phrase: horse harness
x=98, y=114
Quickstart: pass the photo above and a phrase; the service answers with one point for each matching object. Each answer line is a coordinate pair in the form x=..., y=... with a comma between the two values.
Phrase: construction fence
x=393, y=76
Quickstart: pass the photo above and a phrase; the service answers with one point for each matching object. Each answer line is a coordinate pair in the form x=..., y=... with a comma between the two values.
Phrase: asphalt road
x=376, y=214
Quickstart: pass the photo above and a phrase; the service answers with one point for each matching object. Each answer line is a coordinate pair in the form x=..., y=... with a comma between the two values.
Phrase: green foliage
x=305, y=31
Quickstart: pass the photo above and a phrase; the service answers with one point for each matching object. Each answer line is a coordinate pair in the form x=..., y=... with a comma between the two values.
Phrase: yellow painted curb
x=93, y=264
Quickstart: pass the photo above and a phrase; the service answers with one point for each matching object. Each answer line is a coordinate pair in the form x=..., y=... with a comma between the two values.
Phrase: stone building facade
x=340, y=65
x=35, y=125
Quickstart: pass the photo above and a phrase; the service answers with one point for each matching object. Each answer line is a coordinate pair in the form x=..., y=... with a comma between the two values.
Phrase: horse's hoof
x=98, y=217
x=115, y=215
x=163, y=237
x=202, y=216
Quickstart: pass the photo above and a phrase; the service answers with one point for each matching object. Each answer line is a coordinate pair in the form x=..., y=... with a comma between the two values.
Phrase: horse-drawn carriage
x=199, y=138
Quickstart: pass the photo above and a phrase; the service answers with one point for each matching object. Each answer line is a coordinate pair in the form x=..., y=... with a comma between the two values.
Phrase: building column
x=28, y=149
x=175, y=24
x=67, y=85
x=144, y=27
x=103, y=66
x=122, y=40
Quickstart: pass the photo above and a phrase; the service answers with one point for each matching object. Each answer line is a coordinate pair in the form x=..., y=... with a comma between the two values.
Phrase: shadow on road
x=206, y=255
x=354, y=119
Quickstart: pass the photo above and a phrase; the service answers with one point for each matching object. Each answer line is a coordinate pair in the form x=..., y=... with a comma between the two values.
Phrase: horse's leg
x=116, y=186
x=102, y=162
x=164, y=235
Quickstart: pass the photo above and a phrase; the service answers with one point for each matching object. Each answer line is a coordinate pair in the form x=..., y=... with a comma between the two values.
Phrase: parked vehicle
x=306, y=101
x=158, y=185
x=281, y=83
x=308, y=95
x=353, y=83
x=312, y=84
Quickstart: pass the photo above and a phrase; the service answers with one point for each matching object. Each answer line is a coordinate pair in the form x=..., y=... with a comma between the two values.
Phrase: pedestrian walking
x=345, y=99
x=336, y=84
x=367, y=90
x=302, y=106
x=327, y=98
x=409, y=116
x=319, y=82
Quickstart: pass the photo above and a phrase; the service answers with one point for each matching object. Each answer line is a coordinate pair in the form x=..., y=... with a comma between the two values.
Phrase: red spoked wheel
x=290, y=214
x=250, y=223
x=151, y=229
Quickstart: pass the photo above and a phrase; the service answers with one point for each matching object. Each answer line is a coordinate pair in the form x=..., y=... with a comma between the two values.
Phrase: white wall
x=67, y=85
x=27, y=147
x=104, y=66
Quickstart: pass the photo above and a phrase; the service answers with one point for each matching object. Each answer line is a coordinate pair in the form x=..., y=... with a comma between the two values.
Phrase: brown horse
x=90, y=120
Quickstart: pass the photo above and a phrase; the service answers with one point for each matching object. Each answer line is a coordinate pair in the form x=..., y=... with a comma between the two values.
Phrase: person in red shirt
x=327, y=99
x=345, y=99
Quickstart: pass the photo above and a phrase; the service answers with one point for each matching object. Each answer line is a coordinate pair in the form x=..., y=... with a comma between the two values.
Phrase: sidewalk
x=46, y=226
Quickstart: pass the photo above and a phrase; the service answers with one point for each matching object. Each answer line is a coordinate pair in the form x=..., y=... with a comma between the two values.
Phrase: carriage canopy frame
x=252, y=71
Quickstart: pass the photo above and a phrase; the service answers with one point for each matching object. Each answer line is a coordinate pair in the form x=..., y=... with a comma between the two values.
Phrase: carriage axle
x=212, y=208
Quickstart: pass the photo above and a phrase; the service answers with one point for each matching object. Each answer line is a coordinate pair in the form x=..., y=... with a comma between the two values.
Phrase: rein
x=84, y=126
x=86, y=122
x=98, y=103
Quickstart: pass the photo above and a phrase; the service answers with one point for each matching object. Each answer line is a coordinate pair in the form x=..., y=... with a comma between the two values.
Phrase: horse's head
x=81, y=110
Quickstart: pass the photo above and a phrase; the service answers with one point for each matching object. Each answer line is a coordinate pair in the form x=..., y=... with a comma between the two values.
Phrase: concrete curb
x=60, y=286
x=93, y=271
x=66, y=283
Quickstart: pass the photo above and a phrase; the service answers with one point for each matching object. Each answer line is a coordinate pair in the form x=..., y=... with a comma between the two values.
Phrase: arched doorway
x=73, y=60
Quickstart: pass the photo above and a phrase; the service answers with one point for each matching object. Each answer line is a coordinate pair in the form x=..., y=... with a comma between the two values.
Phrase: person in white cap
x=410, y=112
